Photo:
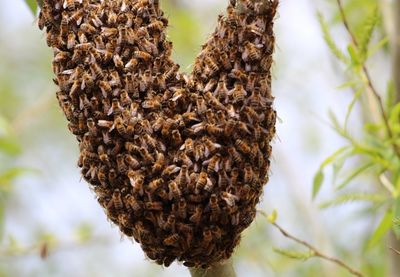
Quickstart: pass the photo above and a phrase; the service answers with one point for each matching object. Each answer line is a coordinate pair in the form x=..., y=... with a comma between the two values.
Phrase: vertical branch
x=219, y=270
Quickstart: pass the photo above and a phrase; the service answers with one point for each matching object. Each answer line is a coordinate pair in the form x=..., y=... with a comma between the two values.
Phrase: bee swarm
x=178, y=162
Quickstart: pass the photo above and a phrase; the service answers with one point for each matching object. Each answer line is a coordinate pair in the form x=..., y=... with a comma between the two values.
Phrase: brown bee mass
x=177, y=161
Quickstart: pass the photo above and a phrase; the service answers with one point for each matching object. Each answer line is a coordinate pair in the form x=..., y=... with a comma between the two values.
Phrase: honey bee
x=176, y=137
x=159, y=164
x=155, y=185
x=116, y=200
x=61, y=56
x=238, y=92
x=147, y=157
x=170, y=224
x=183, y=176
x=151, y=104
x=96, y=54
x=116, y=107
x=67, y=108
x=229, y=198
x=234, y=176
x=97, y=71
x=201, y=182
x=207, y=238
x=248, y=174
x=212, y=65
x=238, y=75
x=132, y=162
x=174, y=191
x=71, y=41
x=196, y=216
x=131, y=65
x=154, y=206
x=162, y=193
x=235, y=155
x=69, y=4
x=88, y=29
x=136, y=181
x=171, y=169
x=132, y=203
x=156, y=26
x=92, y=127
x=210, y=147
x=118, y=61
x=121, y=166
x=182, y=208
x=142, y=55
x=213, y=164
x=171, y=73
x=172, y=240
x=242, y=146
x=119, y=125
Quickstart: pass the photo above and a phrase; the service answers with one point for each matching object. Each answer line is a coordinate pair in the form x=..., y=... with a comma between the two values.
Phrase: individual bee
x=196, y=216
x=116, y=200
x=71, y=41
x=136, y=181
x=183, y=177
x=235, y=155
x=119, y=64
x=132, y=162
x=171, y=169
x=238, y=92
x=238, y=74
x=154, y=206
x=121, y=166
x=69, y=4
x=103, y=156
x=201, y=182
x=67, y=108
x=229, y=198
x=151, y=104
x=106, y=124
x=159, y=164
x=155, y=185
x=207, y=238
x=147, y=157
x=120, y=126
x=213, y=164
x=88, y=29
x=108, y=32
x=172, y=240
x=188, y=146
x=170, y=223
x=142, y=55
x=167, y=126
x=242, y=128
x=116, y=107
x=171, y=73
x=176, y=137
x=174, y=191
x=96, y=70
x=131, y=65
x=210, y=147
x=61, y=56
x=96, y=54
x=242, y=146
x=212, y=65
x=156, y=26
x=182, y=213
x=234, y=176
x=92, y=127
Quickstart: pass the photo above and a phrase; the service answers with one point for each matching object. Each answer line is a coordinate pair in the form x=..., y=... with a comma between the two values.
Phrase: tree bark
x=224, y=269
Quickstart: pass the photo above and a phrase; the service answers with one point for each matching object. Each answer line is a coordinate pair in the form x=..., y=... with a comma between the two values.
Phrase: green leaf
x=272, y=217
x=317, y=183
x=353, y=102
x=354, y=174
x=369, y=26
x=383, y=227
x=295, y=254
x=355, y=56
x=84, y=232
x=354, y=197
x=396, y=218
x=330, y=41
x=32, y=4
x=375, y=48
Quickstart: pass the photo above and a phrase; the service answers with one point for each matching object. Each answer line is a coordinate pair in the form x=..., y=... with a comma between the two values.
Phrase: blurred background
x=50, y=222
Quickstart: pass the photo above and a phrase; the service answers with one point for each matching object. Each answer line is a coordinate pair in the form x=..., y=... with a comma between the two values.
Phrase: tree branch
x=395, y=251
x=316, y=252
x=224, y=269
x=369, y=83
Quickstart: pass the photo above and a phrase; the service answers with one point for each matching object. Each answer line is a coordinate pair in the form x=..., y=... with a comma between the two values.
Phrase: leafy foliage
x=33, y=5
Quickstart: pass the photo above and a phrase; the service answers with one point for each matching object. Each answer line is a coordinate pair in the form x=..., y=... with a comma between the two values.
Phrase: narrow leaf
x=381, y=230
x=317, y=183
x=294, y=254
x=369, y=27
x=353, y=175
x=354, y=197
x=330, y=41
x=353, y=102
x=32, y=4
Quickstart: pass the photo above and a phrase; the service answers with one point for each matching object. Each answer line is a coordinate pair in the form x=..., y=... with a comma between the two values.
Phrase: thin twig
x=395, y=251
x=369, y=82
x=316, y=252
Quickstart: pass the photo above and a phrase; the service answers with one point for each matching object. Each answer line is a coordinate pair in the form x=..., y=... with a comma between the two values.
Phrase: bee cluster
x=177, y=161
